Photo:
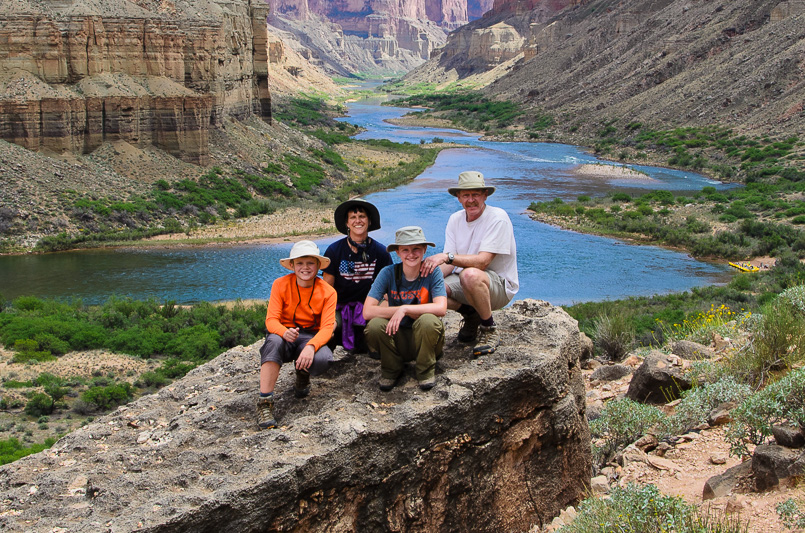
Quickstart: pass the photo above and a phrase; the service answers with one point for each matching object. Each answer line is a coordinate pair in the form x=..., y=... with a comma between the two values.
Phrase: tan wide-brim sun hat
x=305, y=249
x=408, y=236
x=471, y=180
x=341, y=211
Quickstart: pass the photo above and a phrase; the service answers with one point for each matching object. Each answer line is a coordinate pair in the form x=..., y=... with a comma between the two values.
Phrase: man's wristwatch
x=450, y=258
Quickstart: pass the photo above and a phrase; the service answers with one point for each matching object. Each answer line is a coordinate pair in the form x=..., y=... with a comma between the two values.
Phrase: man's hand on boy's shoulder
x=431, y=262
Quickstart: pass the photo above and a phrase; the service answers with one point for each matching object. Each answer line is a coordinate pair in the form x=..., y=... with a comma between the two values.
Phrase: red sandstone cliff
x=77, y=73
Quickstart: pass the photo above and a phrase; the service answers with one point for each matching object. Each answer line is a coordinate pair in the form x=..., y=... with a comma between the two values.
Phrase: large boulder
x=496, y=432
x=658, y=380
x=772, y=465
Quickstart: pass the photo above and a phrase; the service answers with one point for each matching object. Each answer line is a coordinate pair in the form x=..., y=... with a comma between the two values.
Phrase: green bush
x=154, y=379
x=697, y=403
x=54, y=385
x=621, y=197
x=790, y=514
x=12, y=449
x=614, y=335
x=27, y=352
x=777, y=341
x=622, y=421
x=780, y=402
x=644, y=509
x=108, y=397
x=145, y=328
x=39, y=404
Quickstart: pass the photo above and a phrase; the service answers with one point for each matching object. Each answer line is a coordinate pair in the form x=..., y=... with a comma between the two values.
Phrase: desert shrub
x=621, y=197
x=27, y=351
x=154, y=379
x=108, y=397
x=621, y=422
x=613, y=334
x=699, y=327
x=11, y=449
x=644, y=509
x=790, y=514
x=697, y=403
x=780, y=402
x=196, y=342
x=175, y=368
x=82, y=408
x=777, y=342
x=54, y=385
x=39, y=404
x=50, y=343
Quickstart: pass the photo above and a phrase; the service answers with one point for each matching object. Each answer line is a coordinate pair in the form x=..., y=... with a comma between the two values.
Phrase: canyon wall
x=667, y=63
x=75, y=74
x=500, y=444
x=348, y=36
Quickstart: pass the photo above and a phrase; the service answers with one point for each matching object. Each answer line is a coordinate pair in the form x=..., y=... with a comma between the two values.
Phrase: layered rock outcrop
x=500, y=444
x=77, y=73
x=347, y=36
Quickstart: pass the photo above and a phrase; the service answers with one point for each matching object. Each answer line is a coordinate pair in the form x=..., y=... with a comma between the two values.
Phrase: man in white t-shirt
x=479, y=262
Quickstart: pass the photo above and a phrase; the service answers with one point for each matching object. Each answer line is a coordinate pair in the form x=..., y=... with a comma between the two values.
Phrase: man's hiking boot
x=488, y=341
x=265, y=413
x=427, y=383
x=302, y=386
x=469, y=327
x=386, y=384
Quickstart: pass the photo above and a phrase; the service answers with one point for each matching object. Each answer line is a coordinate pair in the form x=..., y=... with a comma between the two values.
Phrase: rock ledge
x=501, y=443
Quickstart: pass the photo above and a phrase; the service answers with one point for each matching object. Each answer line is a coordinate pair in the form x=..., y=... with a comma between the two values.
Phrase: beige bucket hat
x=304, y=249
x=407, y=236
x=470, y=180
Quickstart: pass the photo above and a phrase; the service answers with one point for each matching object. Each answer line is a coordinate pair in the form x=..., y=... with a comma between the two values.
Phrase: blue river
x=562, y=267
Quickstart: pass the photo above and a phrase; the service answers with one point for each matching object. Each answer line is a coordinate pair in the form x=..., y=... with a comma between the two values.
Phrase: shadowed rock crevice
x=500, y=444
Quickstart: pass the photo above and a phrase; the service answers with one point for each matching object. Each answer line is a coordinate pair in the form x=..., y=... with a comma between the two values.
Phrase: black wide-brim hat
x=342, y=210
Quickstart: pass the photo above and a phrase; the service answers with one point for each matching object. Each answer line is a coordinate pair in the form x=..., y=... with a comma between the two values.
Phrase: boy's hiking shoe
x=427, y=383
x=488, y=341
x=386, y=384
x=469, y=327
x=302, y=386
x=265, y=413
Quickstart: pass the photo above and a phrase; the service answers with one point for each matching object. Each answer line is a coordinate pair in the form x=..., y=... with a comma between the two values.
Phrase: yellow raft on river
x=744, y=267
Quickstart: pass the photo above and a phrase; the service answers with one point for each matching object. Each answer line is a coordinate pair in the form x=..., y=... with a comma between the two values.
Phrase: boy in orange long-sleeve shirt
x=300, y=320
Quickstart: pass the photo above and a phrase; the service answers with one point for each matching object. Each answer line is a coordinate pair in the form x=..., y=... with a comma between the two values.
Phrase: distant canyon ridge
x=345, y=37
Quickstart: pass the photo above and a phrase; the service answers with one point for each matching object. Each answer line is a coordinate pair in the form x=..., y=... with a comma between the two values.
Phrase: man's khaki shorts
x=497, y=289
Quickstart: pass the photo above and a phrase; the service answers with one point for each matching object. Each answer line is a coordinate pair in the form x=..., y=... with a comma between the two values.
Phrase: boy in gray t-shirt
x=410, y=328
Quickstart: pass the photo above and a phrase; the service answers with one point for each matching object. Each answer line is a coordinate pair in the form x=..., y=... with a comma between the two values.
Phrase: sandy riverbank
x=294, y=223
x=612, y=172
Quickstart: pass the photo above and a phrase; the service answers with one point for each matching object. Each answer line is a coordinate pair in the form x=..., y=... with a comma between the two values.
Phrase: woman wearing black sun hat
x=355, y=262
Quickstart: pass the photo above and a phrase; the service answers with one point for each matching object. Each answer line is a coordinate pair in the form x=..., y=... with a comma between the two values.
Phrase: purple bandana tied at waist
x=351, y=316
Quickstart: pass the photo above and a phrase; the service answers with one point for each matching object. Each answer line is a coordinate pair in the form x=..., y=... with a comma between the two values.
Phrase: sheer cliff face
x=77, y=74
